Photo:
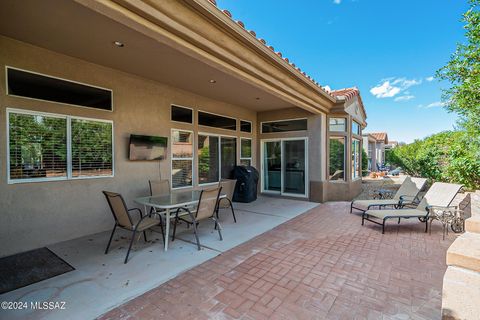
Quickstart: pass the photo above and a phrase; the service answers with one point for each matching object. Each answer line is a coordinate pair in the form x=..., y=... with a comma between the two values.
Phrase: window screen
x=182, y=158
x=36, y=86
x=91, y=148
x=37, y=146
x=216, y=121
x=284, y=126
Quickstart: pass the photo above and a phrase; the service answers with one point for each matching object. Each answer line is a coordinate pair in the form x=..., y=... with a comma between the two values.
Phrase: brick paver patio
x=320, y=265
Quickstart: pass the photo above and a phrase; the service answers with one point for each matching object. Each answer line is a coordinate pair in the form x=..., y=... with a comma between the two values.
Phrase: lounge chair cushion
x=374, y=202
x=382, y=214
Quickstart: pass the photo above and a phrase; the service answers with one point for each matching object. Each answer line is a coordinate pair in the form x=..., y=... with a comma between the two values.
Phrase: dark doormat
x=29, y=267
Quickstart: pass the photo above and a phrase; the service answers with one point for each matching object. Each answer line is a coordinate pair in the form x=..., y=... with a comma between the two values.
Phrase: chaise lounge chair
x=440, y=195
x=406, y=194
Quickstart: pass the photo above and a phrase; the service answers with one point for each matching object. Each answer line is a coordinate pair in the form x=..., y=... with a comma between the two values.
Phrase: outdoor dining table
x=170, y=202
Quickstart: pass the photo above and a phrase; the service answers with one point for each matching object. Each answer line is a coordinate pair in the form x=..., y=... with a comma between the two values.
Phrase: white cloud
x=404, y=98
x=327, y=88
x=390, y=87
x=429, y=79
x=337, y=1
x=432, y=105
x=435, y=104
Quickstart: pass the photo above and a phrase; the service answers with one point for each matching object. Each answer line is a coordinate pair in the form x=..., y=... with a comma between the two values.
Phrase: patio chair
x=159, y=187
x=439, y=197
x=123, y=220
x=406, y=194
x=228, y=188
x=206, y=209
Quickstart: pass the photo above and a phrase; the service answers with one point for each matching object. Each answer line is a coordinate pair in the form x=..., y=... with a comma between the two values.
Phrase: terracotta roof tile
x=380, y=136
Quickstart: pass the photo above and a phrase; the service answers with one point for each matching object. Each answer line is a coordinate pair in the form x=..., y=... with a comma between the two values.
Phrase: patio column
x=461, y=283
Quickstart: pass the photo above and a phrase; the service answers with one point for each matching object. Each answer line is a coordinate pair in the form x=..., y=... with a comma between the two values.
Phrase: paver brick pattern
x=320, y=265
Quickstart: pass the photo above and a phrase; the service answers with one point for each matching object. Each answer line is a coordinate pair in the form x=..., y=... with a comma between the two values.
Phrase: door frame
x=262, y=167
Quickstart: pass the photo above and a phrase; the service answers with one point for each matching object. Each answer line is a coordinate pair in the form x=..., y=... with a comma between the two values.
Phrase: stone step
x=465, y=252
x=472, y=224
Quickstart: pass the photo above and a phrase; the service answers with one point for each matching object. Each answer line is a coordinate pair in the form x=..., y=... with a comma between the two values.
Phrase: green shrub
x=450, y=156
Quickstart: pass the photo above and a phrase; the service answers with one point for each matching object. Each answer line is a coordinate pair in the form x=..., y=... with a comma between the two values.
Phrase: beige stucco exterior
x=254, y=83
x=40, y=213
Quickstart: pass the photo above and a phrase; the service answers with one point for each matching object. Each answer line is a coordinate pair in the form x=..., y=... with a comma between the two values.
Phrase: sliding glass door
x=284, y=166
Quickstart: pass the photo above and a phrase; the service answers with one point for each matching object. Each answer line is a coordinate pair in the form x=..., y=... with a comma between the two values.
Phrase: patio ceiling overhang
x=181, y=43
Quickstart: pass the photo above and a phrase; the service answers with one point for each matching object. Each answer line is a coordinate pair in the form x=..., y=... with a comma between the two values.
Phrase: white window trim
x=172, y=158
x=240, y=126
x=281, y=120
x=68, y=119
x=240, y=153
x=184, y=107
x=220, y=115
x=220, y=136
x=59, y=78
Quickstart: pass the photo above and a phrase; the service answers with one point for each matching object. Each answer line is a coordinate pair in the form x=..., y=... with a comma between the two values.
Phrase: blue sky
x=389, y=49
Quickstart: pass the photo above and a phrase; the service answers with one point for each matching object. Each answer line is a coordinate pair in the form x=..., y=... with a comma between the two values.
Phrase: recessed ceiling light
x=213, y=81
x=118, y=44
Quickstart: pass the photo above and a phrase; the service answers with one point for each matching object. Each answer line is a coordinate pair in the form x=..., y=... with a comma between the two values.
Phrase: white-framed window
x=182, y=158
x=245, y=151
x=355, y=158
x=217, y=157
x=48, y=147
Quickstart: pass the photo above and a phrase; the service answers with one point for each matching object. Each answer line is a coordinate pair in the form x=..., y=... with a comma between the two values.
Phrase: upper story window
x=284, y=125
x=43, y=147
x=356, y=129
x=37, y=86
x=181, y=114
x=216, y=121
x=337, y=124
x=246, y=126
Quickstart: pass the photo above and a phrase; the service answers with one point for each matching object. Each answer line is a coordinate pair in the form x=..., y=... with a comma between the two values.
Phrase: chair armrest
x=138, y=210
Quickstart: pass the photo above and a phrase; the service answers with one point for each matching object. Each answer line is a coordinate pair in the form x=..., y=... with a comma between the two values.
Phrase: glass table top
x=172, y=200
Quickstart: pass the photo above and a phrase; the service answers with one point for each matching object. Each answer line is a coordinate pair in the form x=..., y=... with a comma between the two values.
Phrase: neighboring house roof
x=380, y=136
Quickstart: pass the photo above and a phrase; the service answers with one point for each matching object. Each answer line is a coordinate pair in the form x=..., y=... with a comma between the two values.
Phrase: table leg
x=167, y=228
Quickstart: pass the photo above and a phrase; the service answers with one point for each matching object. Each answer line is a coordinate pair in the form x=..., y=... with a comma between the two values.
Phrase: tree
x=463, y=72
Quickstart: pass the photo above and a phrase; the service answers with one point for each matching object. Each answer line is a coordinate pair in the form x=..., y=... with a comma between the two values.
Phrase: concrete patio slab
x=101, y=282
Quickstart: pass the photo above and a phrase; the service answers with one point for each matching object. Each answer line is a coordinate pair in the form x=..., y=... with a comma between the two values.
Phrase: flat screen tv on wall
x=147, y=147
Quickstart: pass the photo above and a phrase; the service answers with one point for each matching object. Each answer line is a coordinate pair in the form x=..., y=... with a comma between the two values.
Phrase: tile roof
x=279, y=54
x=380, y=136
x=347, y=93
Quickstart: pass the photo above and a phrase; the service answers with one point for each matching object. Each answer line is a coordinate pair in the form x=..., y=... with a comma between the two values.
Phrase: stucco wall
x=37, y=214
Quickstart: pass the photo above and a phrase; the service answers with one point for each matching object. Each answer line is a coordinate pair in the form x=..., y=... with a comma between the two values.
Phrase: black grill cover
x=246, y=187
